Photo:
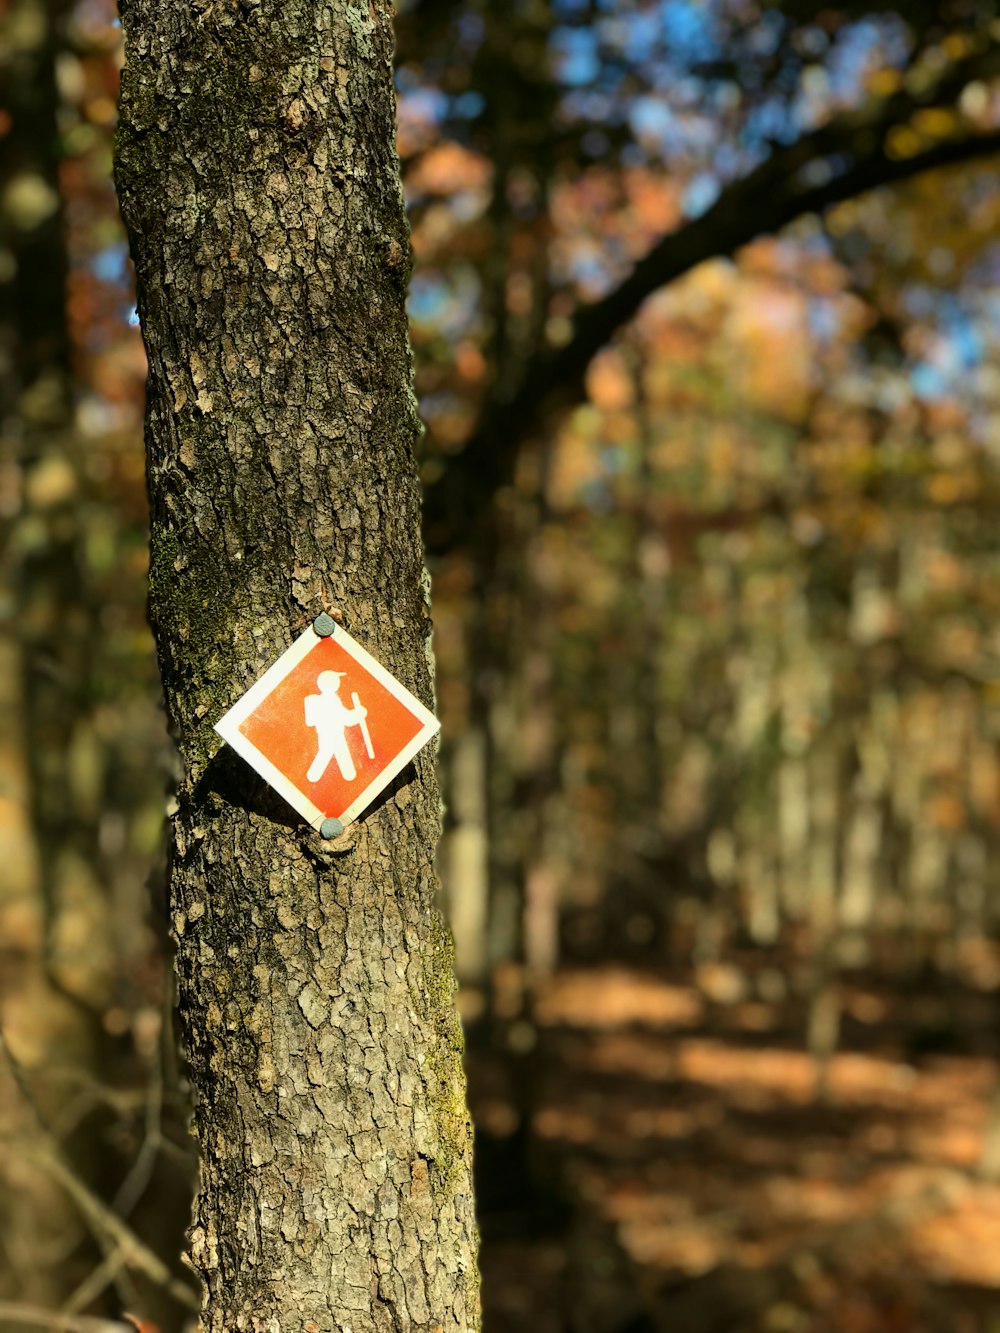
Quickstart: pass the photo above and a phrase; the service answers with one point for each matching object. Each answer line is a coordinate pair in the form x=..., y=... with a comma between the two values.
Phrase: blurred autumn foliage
x=706, y=317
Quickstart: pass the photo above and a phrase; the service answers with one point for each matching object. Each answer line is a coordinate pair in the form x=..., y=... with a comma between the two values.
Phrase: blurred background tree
x=707, y=331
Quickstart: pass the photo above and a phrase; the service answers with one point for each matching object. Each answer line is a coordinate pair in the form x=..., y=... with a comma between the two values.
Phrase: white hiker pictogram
x=330, y=716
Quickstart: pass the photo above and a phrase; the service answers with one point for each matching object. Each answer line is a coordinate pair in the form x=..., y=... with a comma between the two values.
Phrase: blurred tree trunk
x=259, y=181
x=466, y=856
x=513, y=71
x=53, y=911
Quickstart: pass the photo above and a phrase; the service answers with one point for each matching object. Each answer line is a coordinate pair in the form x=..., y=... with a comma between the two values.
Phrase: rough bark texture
x=258, y=179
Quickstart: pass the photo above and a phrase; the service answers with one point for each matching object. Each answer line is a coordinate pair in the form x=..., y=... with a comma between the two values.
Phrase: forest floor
x=681, y=1174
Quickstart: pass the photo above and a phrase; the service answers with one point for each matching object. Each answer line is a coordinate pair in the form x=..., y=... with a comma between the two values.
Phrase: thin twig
x=23, y=1086
x=140, y=1173
x=96, y=1281
x=105, y=1224
x=102, y=1219
x=13, y=1312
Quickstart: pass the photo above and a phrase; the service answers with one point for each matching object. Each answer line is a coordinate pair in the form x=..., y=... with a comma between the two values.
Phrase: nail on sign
x=328, y=727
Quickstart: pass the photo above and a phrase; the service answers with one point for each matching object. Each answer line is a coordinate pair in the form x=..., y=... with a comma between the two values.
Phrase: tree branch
x=107, y=1224
x=762, y=203
x=14, y=1312
x=46, y=1152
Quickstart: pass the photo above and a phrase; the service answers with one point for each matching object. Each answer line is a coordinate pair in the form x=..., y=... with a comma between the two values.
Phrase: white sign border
x=228, y=726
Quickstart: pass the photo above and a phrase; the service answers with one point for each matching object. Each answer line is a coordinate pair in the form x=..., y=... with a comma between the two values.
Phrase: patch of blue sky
x=428, y=296
x=928, y=380
x=700, y=195
x=766, y=35
x=576, y=55
x=852, y=57
x=812, y=41
x=690, y=30
x=596, y=268
x=957, y=319
x=824, y=319
x=651, y=118
x=588, y=266
x=964, y=340
x=729, y=161
x=423, y=105
x=895, y=37
x=468, y=105
x=956, y=353
x=643, y=34
x=812, y=239
x=684, y=90
x=451, y=306
x=772, y=121
x=591, y=106
x=674, y=129
x=109, y=264
x=132, y=316
x=699, y=135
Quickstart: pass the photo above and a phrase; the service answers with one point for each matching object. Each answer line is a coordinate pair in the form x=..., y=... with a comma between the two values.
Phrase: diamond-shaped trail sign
x=328, y=727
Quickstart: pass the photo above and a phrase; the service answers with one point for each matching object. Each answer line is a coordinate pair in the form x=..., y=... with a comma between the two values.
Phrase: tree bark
x=258, y=178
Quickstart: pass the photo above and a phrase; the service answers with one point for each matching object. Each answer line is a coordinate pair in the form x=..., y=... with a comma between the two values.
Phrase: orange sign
x=328, y=727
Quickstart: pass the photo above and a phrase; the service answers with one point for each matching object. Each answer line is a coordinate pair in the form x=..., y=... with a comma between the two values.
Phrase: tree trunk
x=259, y=182
x=52, y=991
